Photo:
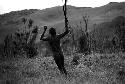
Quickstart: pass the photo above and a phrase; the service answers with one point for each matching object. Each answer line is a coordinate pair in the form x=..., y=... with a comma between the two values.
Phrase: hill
x=53, y=17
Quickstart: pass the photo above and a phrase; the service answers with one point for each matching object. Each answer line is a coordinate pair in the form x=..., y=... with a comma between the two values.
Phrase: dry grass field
x=92, y=69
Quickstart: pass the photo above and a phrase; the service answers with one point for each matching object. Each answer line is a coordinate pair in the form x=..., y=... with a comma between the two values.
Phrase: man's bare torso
x=54, y=43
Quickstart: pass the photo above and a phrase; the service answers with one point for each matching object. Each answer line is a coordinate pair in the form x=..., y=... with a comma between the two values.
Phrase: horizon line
x=58, y=6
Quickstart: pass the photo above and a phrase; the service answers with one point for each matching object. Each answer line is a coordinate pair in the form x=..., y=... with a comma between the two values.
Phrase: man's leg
x=60, y=63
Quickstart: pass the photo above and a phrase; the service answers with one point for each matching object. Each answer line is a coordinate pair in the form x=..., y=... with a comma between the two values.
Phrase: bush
x=21, y=43
x=83, y=44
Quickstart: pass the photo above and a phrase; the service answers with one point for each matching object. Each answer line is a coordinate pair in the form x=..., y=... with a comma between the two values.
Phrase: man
x=54, y=42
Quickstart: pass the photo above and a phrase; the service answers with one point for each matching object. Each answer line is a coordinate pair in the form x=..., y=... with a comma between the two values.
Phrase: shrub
x=21, y=43
x=83, y=44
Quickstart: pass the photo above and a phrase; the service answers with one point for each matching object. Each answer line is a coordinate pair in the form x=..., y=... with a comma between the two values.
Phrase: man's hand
x=45, y=28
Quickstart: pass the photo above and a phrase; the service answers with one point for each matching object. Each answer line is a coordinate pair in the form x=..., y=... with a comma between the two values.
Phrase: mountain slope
x=53, y=17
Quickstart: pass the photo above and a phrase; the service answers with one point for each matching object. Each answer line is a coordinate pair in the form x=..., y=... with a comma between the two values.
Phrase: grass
x=92, y=69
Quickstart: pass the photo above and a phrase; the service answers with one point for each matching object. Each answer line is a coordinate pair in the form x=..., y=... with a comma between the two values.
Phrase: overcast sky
x=13, y=5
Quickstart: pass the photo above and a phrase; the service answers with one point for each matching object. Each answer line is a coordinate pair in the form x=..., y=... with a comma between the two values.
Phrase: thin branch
x=65, y=13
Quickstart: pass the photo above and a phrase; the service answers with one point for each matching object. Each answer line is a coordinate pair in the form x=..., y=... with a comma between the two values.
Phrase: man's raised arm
x=41, y=38
x=64, y=33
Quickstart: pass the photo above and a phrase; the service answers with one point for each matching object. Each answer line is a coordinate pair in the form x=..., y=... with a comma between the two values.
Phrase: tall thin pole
x=65, y=13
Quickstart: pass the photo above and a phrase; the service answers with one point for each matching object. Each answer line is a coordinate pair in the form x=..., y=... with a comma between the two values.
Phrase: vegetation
x=21, y=42
x=91, y=56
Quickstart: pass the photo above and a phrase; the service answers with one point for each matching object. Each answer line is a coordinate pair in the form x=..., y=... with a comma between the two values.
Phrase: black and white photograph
x=62, y=41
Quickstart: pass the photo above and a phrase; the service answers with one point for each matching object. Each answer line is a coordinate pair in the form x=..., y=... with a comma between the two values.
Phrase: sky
x=14, y=5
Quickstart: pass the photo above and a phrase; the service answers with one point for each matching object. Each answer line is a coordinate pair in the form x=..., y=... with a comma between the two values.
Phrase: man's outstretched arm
x=64, y=33
x=42, y=36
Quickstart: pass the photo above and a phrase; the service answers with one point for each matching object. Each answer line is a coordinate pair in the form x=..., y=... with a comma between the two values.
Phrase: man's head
x=52, y=31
